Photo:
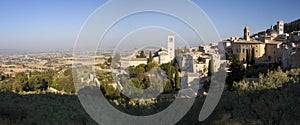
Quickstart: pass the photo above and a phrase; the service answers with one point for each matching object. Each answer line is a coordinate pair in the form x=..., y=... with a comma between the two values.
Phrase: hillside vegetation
x=273, y=100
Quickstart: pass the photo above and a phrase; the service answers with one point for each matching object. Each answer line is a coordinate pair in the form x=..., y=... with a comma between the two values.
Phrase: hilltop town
x=273, y=47
x=262, y=76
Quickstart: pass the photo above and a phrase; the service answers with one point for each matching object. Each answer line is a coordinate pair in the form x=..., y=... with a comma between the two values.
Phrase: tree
x=116, y=60
x=65, y=83
x=44, y=85
x=248, y=57
x=27, y=87
x=140, y=73
x=177, y=78
x=146, y=83
x=2, y=77
x=237, y=71
x=136, y=82
x=170, y=74
x=151, y=65
x=142, y=55
x=109, y=60
x=168, y=87
x=150, y=57
x=252, y=56
x=211, y=67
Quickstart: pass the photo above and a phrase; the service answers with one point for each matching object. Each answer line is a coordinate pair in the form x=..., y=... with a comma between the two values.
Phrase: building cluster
x=271, y=46
x=161, y=56
x=193, y=64
x=194, y=61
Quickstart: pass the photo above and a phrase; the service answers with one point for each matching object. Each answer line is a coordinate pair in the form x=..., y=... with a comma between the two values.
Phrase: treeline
x=292, y=26
x=38, y=81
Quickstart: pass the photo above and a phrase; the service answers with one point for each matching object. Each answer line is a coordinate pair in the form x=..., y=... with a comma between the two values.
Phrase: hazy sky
x=40, y=24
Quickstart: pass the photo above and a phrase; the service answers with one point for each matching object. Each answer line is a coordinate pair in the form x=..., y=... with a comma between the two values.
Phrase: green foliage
x=150, y=57
x=150, y=66
x=271, y=80
x=117, y=58
x=292, y=26
x=136, y=82
x=2, y=76
x=39, y=81
x=65, y=83
x=109, y=60
x=252, y=59
x=248, y=56
x=237, y=71
x=263, y=104
x=177, y=78
x=42, y=110
x=110, y=92
x=142, y=55
x=68, y=72
x=140, y=72
x=210, y=67
x=168, y=87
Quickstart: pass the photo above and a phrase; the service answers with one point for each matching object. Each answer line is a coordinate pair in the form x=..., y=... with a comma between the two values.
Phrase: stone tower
x=171, y=45
x=247, y=33
x=280, y=27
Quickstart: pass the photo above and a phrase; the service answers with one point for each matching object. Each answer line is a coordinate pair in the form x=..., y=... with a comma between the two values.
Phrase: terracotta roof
x=273, y=42
x=138, y=59
x=248, y=42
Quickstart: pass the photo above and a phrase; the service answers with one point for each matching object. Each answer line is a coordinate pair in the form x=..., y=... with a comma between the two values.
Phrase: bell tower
x=247, y=33
x=280, y=27
x=171, y=45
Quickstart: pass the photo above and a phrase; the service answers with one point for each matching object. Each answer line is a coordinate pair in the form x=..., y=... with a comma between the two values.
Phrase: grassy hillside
x=42, y=110
x=273, y=100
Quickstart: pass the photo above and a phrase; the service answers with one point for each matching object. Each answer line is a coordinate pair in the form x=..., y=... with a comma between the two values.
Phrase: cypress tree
x=252, y=56
x=248, y=57
x=177, y=78
x=211, y=67
x=150, y=57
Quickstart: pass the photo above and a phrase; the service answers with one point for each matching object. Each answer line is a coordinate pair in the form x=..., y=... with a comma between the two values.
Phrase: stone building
x=162, y=56
x=267, y=50
x=242, y=47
